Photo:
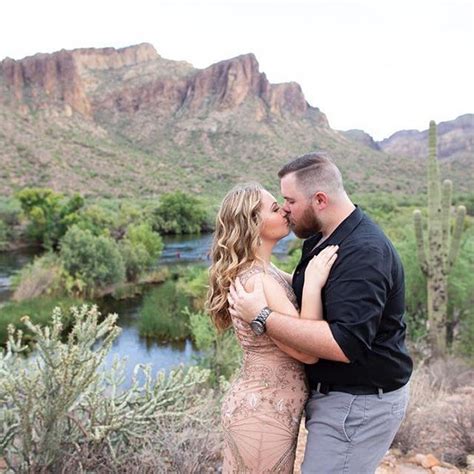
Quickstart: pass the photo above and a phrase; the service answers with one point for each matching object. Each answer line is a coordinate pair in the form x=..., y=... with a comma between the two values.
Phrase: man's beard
x=308, y=225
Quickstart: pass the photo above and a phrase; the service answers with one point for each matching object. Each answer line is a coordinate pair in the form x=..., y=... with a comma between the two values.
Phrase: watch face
x=257, y=327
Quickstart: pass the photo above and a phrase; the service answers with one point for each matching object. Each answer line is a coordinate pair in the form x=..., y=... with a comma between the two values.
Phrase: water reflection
x=139, y=350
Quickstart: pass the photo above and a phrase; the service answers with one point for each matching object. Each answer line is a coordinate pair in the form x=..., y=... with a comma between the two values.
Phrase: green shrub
x=94, y=260
x=140, y=250
x=220, y=352
x=179, y=213
x=136, y=259
x=49, y=213
x=39, y=310
x=3, y=235
x=143, y=234
x=10, y=210
x=96, y=219
x=161, y=315
x=194, y=283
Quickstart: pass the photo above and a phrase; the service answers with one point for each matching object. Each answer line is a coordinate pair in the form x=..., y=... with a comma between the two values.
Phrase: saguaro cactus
x=443, y=247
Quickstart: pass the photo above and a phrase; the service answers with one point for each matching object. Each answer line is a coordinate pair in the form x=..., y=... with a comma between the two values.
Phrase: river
x=178, y=250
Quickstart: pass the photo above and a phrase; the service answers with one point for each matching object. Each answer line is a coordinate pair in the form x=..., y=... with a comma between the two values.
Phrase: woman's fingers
x=331, y=260
x=326, y=254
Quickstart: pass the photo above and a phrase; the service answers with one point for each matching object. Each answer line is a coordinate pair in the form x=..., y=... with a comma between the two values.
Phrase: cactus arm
x=456, y=238
x=434, y=188
x=420, y=244
x=445, y=215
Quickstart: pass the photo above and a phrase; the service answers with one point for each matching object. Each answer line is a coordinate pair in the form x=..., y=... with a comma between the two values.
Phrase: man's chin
x=302, y=233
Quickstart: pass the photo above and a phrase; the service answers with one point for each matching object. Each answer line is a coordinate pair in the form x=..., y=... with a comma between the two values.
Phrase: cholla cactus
x=60, y=409
x=437, y=262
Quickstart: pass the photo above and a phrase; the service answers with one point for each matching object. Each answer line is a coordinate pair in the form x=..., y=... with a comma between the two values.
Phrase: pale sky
x=376, y=65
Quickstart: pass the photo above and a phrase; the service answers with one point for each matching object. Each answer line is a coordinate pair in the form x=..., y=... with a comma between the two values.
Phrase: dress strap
x=247, y=274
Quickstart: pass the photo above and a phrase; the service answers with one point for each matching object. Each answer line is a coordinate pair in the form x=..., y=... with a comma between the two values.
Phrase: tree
x=443, y=246
x=140, y=249
x=50, y=213
x=96, y=261
x=179, y=213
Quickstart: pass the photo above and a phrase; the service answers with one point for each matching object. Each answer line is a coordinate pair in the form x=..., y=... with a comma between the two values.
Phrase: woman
x=261, y=413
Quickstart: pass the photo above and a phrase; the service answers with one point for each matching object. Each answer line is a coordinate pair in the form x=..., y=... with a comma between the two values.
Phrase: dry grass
x=440, y=416
x=173, y=444
x=38, y=278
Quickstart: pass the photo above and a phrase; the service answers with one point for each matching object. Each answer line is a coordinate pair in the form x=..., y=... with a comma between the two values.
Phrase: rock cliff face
x=129, y=80
x=454, y=137
x=57, y=82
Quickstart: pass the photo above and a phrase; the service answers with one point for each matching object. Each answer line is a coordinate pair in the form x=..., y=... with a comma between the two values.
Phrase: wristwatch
x=258, y=324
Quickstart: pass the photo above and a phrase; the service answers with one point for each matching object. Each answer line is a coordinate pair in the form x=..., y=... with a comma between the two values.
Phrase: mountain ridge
x=127, y=122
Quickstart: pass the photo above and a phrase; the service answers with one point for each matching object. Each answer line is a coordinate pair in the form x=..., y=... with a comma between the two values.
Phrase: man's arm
x=308, y=336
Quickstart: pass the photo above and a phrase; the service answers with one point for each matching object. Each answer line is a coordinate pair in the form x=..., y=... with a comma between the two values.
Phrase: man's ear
x=320, y=200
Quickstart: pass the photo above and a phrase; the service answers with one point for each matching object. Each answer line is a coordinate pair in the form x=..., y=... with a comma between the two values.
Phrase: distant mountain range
x=127, y=122
x=455, y=140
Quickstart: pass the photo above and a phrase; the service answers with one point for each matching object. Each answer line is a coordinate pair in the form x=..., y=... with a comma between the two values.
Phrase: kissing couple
x=328, y=340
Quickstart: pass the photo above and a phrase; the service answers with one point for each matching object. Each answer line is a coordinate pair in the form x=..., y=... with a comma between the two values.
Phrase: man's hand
x=246, y=305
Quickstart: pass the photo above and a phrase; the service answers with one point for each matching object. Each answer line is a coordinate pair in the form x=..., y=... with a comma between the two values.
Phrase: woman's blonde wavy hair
x=234, y=247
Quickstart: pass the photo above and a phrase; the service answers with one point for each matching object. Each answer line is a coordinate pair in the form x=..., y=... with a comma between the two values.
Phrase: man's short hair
x=315, y=172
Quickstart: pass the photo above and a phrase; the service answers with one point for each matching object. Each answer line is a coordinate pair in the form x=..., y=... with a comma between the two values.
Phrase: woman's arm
x=279, y=302
x=315, y=277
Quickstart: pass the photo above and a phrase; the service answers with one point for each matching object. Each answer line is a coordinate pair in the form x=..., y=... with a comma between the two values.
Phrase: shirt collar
x=341, y=232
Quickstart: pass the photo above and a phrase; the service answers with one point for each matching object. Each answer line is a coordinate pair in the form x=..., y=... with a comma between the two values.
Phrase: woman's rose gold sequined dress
x=261, y=413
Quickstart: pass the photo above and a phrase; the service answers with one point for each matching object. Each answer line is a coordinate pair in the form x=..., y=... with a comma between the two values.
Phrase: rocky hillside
x=455, y=138
x=127, y=122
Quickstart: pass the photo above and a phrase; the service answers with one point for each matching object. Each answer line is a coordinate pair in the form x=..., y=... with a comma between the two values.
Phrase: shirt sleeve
x=355, y=298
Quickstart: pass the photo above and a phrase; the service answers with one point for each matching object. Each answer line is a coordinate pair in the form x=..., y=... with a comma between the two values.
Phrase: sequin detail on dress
x=261, y=412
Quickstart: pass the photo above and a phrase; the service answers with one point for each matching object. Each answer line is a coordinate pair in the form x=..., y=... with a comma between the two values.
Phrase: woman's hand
x=317, y=271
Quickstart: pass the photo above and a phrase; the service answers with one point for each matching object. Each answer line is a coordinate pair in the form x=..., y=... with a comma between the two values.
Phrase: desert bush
x=461, y=425
x=60, y=411
x=94, y=260
x=439, y=414
x=41, y=277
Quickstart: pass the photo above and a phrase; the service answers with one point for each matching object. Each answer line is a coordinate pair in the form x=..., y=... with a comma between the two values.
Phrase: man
x=359, y=388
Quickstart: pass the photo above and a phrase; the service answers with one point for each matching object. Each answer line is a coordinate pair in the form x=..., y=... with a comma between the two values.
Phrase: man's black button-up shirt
x=364, y=304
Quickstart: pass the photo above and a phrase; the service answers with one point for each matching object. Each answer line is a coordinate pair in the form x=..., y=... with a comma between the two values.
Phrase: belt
x=325, y=388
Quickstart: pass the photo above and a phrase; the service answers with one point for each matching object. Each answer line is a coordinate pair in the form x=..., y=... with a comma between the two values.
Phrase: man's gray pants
x=351, y=433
